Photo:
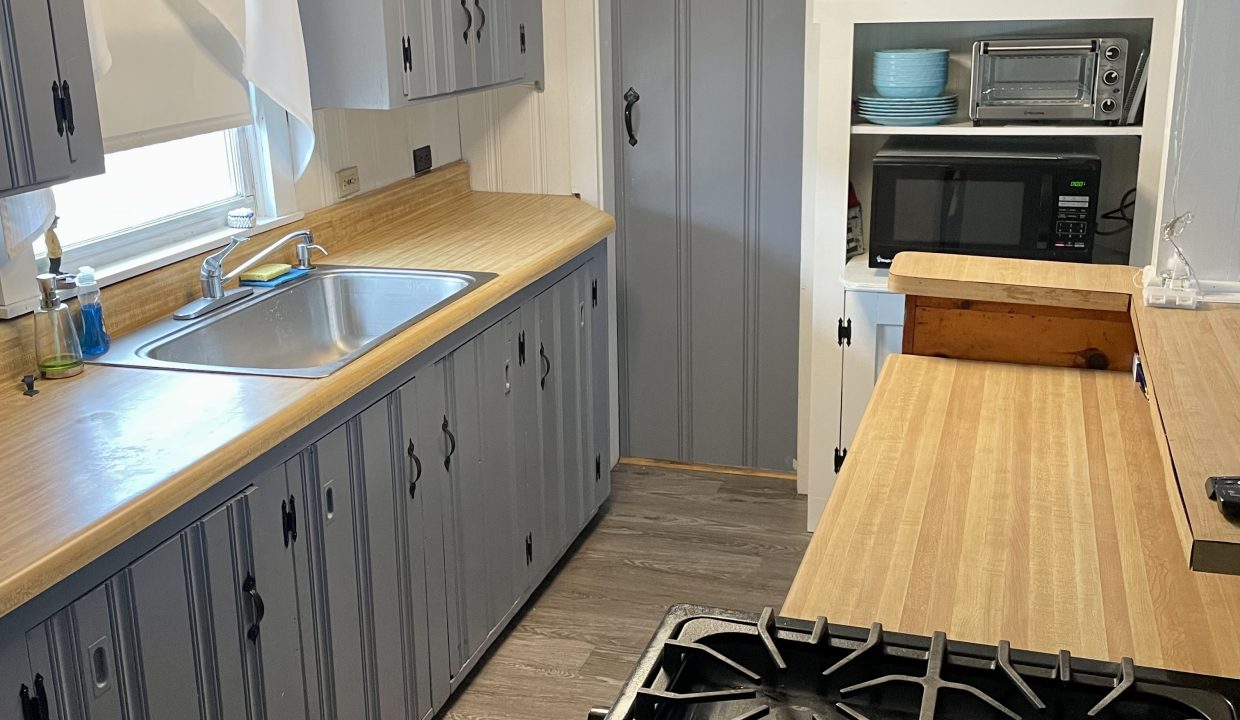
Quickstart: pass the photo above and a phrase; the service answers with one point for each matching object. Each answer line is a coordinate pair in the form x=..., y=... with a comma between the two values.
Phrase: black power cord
x=1123, y=214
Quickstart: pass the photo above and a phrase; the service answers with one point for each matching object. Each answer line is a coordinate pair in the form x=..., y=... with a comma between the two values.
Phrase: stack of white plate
x=907, y=112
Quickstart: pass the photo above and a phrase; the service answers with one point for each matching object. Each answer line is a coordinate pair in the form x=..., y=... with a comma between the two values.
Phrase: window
x=153, y=197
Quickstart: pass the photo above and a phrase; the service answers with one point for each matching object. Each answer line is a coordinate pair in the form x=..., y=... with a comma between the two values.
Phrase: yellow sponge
x=264, y=273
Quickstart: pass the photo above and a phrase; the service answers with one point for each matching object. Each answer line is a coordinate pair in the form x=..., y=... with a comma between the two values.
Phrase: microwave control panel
x=1072, y=222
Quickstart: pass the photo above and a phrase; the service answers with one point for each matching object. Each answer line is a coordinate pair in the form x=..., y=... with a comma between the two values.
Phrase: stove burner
x=717, y=664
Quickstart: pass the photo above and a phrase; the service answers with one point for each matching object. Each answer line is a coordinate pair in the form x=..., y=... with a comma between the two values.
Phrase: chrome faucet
x=212, y=277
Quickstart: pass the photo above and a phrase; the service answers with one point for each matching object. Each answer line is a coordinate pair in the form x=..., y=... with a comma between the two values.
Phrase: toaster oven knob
x=1110, y=77
x=1108, y=105
x=1112, y=53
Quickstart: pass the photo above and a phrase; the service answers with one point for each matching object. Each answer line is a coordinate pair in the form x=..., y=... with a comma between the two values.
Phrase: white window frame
x=150, y=239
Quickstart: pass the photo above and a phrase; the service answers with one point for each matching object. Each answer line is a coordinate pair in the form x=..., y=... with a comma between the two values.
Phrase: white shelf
x=858, y=276
x=965, y=127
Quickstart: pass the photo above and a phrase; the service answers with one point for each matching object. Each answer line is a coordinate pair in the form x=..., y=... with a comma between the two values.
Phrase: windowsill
x=151, y=261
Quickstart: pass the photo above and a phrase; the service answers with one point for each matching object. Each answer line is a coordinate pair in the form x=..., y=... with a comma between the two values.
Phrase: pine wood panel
x=1032, y=282
x=92, y=460
x=997, y=501
x=1019, y=333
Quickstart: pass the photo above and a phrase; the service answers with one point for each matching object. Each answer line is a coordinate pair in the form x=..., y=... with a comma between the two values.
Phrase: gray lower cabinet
x=365, y=576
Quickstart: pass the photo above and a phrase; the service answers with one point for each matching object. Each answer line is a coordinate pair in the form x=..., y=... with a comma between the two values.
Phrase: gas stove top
x=709, y=663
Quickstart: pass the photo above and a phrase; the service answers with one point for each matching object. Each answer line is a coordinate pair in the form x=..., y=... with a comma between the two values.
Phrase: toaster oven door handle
x=1081, y=48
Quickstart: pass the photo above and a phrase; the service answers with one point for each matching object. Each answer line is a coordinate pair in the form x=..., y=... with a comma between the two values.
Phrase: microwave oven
x=1049, y=80
x=1031, y=198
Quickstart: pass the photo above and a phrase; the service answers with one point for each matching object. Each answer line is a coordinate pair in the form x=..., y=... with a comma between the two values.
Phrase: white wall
x=1204, y=149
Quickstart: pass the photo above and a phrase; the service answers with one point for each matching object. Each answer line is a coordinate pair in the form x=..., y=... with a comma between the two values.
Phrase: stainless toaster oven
x=1049, y=80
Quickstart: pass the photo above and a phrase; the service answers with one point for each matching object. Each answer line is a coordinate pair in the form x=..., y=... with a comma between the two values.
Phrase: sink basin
x=310, y=327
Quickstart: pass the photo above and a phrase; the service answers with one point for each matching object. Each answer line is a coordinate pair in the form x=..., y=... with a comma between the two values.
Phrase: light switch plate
x=348, y=182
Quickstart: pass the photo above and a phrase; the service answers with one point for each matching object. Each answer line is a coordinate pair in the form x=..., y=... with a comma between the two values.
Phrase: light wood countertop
x=998, y=501
x=1031, y=282
x=1189, y=357
x=93, y=460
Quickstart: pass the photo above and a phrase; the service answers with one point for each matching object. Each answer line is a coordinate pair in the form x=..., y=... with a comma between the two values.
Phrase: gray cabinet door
x=467, y=525
x=46, y=137
x=568, y=378
x=501, y=501
x=77, y=80
x=550, y=425
x=599, y=378
x=19, y=688
x=289, y=684
x=527, y=437
x=78, y=649
x=424, y=412
x=490, y=37
x=709, y=340
x=402, y=678
x=333, y=504
x=418, y=633
x=455, y=26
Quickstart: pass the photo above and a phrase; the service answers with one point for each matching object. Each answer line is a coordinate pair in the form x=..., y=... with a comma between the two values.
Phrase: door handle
x=630, y=99
x=447, y=461
x=417, y=471
x=542, y=354
x=469, y=21
x=58, y=108
x=250, y=587
x=482, y=18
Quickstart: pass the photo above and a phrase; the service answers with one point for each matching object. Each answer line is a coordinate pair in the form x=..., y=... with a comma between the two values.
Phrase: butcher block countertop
x=1012, y=502
x=93, y=460
x=1191, y=360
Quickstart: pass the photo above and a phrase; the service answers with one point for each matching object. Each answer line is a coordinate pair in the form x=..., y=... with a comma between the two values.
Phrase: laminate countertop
x=93, y=460
x=1011, y=502
x=1189, y=358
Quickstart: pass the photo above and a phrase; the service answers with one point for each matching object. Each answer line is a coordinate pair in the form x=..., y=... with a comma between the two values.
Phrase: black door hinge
x=594, y=292
x=845, y=332
x=288, y=512
x=529, y=548
x=522, y=38
x=406, y=50
x=598, y=468
x=840, y=454
x=521, y=348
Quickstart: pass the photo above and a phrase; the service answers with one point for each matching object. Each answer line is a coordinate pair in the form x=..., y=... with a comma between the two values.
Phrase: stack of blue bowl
x=910, y=86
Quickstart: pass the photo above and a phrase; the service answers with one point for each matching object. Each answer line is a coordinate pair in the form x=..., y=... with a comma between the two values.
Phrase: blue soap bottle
x=95, y=340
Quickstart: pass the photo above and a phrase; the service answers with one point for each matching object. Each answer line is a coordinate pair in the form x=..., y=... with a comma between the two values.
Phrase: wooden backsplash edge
x=143, y=299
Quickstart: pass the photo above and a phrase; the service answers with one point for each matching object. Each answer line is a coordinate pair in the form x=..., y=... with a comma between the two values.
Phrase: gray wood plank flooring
x=666, y=537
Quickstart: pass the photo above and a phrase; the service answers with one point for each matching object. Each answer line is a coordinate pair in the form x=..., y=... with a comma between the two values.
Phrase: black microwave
x=1008, y=197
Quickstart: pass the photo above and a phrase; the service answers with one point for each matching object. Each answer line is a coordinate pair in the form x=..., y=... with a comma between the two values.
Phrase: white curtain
x=274, y=51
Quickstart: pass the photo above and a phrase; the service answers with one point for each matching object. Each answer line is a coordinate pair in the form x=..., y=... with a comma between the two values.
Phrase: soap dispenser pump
x=57, y=349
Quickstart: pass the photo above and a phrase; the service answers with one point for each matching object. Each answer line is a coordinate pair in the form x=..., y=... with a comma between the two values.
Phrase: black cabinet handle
x=447, y=461
x=542, y=353
x=250, y=587
x=482, y=18
x=469, y=21
x=58, y=108
x=630, y=99
x=288, y=510
x=68, y=101
x=417, y=471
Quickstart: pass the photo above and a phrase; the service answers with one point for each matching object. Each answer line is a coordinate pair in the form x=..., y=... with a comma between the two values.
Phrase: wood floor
x=666, y=537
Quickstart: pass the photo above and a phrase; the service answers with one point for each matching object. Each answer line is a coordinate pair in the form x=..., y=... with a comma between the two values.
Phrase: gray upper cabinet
x=383, y=54
x=51, y=114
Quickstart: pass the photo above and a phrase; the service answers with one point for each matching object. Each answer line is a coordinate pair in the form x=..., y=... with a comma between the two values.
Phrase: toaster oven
x=1049, y=80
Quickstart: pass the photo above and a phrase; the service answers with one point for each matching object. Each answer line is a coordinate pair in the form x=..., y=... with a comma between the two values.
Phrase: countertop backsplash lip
x=126, y=457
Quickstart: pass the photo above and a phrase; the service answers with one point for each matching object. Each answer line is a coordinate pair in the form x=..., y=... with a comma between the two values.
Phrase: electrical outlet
x=421, y=159
x=348, y=182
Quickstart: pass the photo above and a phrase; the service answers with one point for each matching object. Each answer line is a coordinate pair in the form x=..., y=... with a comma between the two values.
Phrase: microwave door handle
x=1081, y=48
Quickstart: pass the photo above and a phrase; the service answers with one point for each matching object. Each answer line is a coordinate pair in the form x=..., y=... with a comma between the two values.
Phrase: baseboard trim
x=701, y=467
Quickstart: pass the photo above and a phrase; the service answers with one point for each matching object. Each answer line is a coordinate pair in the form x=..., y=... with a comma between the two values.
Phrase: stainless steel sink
x=310, y=327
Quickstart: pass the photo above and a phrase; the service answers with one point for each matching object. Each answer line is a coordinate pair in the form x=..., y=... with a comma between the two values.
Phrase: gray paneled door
x=710, y=209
